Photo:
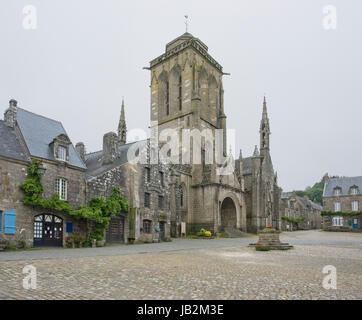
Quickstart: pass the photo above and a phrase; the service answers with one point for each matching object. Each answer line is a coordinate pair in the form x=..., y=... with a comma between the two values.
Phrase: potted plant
x=101, y=243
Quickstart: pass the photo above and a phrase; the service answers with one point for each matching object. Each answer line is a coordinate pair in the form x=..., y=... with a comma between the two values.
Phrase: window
x=180, y=93
x=10, y=222
x=38, y=227
x=148, y=174
x=167, y=98
x=181, y=197
x=147, y=224
x=147, y=200
x=161, y=178
x=354, y=205
x=337, y=191
x=337, y=207
x=337, y=221
x=354, y=190
x=62, y=153
x=61, y=188
x=160, y=202
x=1, y=220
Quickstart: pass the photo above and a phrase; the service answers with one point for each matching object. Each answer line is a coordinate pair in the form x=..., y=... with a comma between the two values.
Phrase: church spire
x=264, y=129
x=122, y=128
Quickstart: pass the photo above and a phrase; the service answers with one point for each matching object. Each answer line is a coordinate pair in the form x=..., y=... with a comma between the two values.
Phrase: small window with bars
x=148, y=174
x=61, y=188
x=147, y=200
x=147, y=224
x=161, y=178
x=160, y=202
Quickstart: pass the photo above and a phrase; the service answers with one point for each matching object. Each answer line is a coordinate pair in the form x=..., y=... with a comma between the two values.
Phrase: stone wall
x=132, y=180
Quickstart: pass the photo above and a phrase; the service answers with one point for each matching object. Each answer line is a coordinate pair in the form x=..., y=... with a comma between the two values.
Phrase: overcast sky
x=85, y=55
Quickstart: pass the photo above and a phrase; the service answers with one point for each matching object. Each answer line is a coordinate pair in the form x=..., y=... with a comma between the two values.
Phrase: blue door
x=355, y=223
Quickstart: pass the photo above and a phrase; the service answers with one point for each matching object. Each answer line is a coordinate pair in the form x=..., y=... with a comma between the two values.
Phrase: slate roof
x=248, y=165
x=304, y=202
x=10, y=146
x=345, y=183
x=94, y=164
x=39, y=132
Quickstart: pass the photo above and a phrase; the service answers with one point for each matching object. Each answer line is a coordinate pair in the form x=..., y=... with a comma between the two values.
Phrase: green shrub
x=21, y=244
x=262, y=248
x=74, y=241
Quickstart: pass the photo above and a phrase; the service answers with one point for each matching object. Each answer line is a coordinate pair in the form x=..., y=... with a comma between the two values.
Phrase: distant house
x=25, y=136
x=299, y=212
x=342, y=201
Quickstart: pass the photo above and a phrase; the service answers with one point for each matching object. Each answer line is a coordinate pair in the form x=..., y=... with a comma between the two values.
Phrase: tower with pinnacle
x=122, y=128
x=264, y=131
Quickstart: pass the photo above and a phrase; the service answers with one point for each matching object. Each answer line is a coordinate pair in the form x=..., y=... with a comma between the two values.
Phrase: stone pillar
x=110, y=141
x=81, y=150
x=10, y=113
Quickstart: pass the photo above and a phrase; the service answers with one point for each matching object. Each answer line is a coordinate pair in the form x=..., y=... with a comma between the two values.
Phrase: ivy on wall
x=99, y=210
x=339, y=213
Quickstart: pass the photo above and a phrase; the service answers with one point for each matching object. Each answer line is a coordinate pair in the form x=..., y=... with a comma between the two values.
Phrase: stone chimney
x=10, y=113
x=110, y=142
x=81, y=150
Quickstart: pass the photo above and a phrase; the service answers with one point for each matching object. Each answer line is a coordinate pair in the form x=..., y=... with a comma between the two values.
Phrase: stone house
x=27, y=136
x=296, y=207
x=342, y=201
x=145, y=187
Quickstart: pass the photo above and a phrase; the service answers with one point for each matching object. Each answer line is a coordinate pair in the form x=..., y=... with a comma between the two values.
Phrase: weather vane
x=187, y=22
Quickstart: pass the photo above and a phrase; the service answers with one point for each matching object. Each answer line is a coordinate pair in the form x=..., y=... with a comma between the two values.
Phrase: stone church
x=167, y=198
x=187, y=93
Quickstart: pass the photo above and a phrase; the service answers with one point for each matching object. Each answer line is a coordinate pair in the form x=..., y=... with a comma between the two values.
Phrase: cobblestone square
x=191, y=269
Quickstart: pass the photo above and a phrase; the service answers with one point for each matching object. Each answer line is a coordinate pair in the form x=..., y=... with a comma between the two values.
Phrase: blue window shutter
x=69, y=227
x=1, y=220
x=10, y=222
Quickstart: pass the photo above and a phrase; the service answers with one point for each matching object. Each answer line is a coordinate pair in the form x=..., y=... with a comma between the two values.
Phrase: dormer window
x=337, y=191
x=60, y=146
x=62, y=153
x=354, y=190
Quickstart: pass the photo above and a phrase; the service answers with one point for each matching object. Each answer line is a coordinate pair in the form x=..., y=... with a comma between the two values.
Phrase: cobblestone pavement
x=219, y=269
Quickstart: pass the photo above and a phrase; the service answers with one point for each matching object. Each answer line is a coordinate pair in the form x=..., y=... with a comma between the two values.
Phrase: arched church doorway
x=228, y=214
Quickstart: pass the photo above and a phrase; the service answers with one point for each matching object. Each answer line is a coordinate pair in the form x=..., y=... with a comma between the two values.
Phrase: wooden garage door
x=115, y=230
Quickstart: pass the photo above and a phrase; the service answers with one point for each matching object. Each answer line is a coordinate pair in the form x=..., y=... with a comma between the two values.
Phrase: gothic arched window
x=180, y=93
x=204, y=91
x=213, y=97
x=175, y=89
x=163, y=95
